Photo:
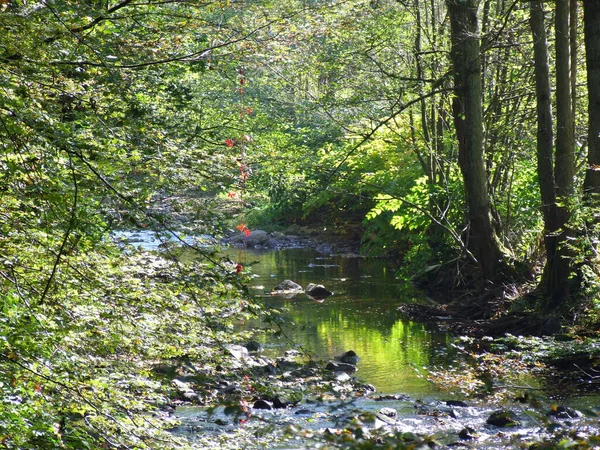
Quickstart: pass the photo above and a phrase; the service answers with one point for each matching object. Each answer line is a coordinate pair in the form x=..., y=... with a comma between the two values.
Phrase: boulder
x=349, y=357
x=287, y=287
x=257, y=237
x=262, y=404
x=253, y=346
x=467, y=433
x=238, y=351
x=383, y=420
x=317, y=291
x=280, y=401
x=340, y=367
x=456, y=403
x=503, y=418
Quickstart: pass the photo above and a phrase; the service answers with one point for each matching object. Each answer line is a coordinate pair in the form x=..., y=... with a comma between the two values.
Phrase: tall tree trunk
x=573, y=25
x=468, y=120
x=591, y=11
x=555, y=283
x=545, y=135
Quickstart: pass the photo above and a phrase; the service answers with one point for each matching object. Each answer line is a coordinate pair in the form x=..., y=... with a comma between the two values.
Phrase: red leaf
x=244, y=229
x=231, y=194
x=239, y=268
x=230, y=143
x=242, y=81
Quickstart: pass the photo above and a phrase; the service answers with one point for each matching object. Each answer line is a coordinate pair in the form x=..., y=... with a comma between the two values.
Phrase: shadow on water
x=361, y=315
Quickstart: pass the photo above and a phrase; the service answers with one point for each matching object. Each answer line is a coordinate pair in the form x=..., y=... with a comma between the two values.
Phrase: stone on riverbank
x=335, y=366
x=256, y=238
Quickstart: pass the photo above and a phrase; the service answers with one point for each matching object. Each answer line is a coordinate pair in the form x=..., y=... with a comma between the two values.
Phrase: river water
x=362, y=315
x=395, y=354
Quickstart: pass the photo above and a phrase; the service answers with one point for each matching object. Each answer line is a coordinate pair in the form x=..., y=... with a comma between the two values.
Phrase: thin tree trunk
x=573, y=24
x=545, y=135
x=564, y=169
x=591, y=11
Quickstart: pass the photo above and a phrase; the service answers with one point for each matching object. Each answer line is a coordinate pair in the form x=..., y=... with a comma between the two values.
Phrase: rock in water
x=262, y=404
x=340, y=367
x=350, y=357
x=390, y=412
x=317, y=291
x=287, y=286
x=503, y=418
x=564, y=412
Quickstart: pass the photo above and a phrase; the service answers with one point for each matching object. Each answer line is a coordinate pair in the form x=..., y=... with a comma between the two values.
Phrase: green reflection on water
x=361, y=315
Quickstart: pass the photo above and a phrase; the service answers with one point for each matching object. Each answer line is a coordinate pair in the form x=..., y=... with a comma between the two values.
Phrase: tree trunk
x=556, y=193
x=468, y=121
x=564, y=169
x=545, y=135
x=591, y=11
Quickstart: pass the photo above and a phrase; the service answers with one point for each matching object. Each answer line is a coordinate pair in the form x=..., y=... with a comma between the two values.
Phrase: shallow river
x=361, y=316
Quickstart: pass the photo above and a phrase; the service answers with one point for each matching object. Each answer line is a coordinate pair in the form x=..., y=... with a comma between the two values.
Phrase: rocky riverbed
x=289, y=400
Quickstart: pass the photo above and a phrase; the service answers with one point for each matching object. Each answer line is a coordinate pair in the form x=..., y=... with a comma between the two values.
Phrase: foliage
x=167, y=115
x=110, y=320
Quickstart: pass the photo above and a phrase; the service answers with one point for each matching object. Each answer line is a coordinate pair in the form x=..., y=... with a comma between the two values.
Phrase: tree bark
x=545, y=135
x=468, y=121
x=557, y=193
x=591, y=11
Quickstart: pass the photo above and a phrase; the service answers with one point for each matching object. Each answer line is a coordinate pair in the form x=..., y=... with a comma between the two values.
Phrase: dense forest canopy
x=457, y=136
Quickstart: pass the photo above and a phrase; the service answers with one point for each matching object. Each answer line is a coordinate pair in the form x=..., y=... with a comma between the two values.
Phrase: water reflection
x=361, y=315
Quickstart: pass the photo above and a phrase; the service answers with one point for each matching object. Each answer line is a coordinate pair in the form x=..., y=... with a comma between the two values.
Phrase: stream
x=395, y=356
x=361, y=316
